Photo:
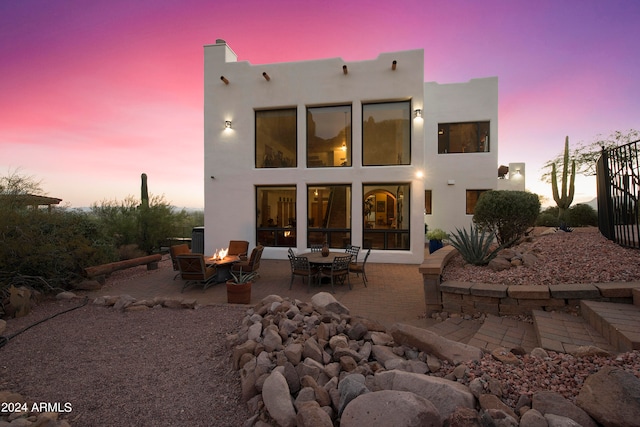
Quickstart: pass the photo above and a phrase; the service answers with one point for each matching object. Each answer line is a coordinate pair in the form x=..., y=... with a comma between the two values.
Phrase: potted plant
x=436, y=236
x=239, y=287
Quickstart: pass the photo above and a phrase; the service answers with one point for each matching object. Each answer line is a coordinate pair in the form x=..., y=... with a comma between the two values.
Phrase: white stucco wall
x=231, y=176
x=449, y=176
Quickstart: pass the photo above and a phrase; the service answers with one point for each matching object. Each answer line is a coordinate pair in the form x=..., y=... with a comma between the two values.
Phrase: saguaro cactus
x=564, y=200
x=144, y=196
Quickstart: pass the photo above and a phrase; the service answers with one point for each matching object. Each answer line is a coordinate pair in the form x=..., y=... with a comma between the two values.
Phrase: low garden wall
x=471, y=298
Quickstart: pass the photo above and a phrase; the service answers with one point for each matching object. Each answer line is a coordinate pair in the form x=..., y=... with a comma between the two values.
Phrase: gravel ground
x=582, y=256
x=172, y=366
x=160, y=367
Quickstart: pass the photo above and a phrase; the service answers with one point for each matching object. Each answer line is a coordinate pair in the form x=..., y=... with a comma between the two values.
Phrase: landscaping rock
x=390, y=408
x=612, y=397
x=549, y=402
x=277, y=400
x=432, y=343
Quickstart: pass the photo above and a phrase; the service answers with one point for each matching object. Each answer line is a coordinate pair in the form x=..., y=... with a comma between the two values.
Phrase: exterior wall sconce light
x=224, y=79
x=266, y=76
x=344, y=69
x=227, y=124
x=394, y=64
x=418, y=113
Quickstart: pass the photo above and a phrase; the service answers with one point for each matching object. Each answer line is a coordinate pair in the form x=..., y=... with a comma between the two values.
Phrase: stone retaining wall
x=470, y=298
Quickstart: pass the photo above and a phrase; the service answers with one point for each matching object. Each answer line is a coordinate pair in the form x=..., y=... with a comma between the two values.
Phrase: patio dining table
x=316, y=259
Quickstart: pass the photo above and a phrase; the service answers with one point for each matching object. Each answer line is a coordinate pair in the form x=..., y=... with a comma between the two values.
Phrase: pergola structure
x=32, y=200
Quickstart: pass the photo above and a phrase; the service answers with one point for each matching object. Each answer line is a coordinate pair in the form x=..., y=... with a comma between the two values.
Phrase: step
x=618, y=323
x=564, y=333
x=504, y=332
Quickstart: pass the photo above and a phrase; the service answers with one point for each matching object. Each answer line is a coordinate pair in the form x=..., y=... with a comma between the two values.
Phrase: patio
x=394, y=293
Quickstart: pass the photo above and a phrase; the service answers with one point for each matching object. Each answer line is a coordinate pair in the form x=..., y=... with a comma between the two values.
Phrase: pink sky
x=92, y=94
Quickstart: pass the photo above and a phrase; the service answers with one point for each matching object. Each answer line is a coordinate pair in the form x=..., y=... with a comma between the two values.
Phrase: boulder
x=612, y=397
x=533, y=418
x=390, y=408
x=550, y=402
x=325, y=302
x=351, y=387
x=446, y=395
x=554, y=420
x=311, y=415
x=499, y=264
x=432, y=343
x=277, y=400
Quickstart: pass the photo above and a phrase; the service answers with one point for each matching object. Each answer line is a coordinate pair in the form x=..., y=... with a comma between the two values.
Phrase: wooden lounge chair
x=194, y=270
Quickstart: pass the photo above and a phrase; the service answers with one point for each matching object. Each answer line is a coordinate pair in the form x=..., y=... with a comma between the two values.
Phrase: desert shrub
x=474, y=246
x=54, y=245
x=145, y=226
x=506, y=213
x=548, y=217
x=582, y=215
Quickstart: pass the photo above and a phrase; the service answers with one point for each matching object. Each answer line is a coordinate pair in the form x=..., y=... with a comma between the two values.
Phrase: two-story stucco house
x=345, y=152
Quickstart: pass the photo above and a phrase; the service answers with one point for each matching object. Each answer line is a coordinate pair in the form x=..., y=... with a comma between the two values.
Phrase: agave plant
x=474, y=245
x=239, y=278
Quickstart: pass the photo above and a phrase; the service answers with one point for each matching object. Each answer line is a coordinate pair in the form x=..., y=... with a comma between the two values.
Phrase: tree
x=564, y=199
x=586, y=155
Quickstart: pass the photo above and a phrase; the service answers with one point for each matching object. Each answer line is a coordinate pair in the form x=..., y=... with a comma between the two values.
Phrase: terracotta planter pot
x=239, y=294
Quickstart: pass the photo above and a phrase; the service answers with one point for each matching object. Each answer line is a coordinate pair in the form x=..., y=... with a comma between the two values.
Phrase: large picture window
x=329, y=215
x=329, y=136
x=276, y=138
x=386, y=210
x=470, y=137
x=276, y=216
x=386, y=134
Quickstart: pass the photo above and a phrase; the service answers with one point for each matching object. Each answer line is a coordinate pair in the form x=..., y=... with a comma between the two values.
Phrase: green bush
x=474, y=246
x=582, y=215
x=548, y=217
x=54, y=245
x=506, y=213
x=145, y=226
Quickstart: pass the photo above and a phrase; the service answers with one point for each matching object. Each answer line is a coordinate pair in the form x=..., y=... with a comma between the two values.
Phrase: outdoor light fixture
x=266, y=76
x=223, y=78
x=227, y=124
x=393, y=65
x=418, y=112
x=344, y=69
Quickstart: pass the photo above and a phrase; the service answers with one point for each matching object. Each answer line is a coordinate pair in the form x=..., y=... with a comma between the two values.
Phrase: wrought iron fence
x=618, y=185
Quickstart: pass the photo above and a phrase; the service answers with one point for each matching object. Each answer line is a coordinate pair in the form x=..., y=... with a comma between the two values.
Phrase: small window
x=276, y=138
x=472, y=137
x=427, y=202
x=472, y=199
x=329, y=136
x=386, y=134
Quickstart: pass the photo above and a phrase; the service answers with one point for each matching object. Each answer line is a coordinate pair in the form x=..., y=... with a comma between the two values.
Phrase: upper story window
x=329, y=136
x=471, y=137
x=276, y=138
x=386, y=134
